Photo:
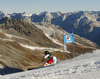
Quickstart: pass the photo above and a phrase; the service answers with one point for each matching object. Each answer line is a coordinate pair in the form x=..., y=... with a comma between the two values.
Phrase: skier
x=52, y=59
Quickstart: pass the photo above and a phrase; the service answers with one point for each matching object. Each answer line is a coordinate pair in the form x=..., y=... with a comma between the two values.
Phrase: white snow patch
x=6, y=39
x=53, y=40
x=10, y=36
x=40, y=48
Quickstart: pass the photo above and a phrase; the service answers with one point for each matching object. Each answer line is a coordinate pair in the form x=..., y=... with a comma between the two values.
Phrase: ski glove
x=42, y=60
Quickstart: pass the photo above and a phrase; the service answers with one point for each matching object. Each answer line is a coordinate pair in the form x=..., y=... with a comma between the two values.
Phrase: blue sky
x=33, y=6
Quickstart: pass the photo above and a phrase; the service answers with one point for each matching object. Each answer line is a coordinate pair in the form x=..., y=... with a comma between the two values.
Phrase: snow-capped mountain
x=85, y=23
x=2, y=14
x=26, y=14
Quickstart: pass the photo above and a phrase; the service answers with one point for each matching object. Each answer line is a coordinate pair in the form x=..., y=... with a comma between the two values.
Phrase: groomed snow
x=86, y=66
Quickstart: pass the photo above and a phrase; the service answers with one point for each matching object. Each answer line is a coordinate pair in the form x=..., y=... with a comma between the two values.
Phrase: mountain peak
x=2, y=14
x=26, y=14
x=42, y=13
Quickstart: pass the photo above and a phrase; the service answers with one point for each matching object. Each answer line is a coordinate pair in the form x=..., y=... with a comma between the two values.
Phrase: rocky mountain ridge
x=85, y=23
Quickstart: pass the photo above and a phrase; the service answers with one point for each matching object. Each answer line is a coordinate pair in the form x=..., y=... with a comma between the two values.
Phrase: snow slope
x=86, y=66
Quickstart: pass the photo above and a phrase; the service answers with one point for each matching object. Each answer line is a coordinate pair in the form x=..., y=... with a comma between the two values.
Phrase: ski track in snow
x=86, y=66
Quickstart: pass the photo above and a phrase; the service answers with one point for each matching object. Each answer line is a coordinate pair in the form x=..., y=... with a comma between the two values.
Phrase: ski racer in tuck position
x=52, y=59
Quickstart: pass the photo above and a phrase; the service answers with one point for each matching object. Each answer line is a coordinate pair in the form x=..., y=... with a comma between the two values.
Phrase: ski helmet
x=46, y=52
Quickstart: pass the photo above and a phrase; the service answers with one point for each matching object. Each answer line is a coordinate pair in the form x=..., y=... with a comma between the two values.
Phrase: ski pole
x=36, y=64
